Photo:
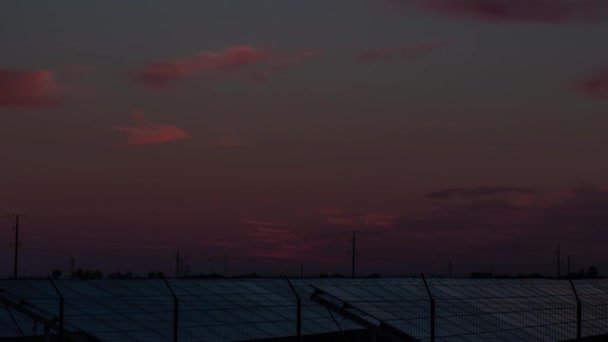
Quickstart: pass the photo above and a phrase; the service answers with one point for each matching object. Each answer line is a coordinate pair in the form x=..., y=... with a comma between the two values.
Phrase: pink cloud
x=144, y=132
x=397, y=52
x=275, y=243
x=162, y=74
x=240, y=62
x=20, y=88
x=539, y=11
x=279, y=243
x=344, y=218
x=476, y=192
x=596, y=85
x=233, y=57
x=542, y=199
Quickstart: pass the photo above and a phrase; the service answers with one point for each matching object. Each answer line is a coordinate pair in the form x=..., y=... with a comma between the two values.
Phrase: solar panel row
x=238, y=310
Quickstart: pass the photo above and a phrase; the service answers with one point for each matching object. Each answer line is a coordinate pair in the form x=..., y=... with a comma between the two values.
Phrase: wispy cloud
x=145, y=132
x=596, y=85
x=474, y=192
x=346, y=218
x=397, y=52
x=21, y=88
x=241, y=62
x=501, y=224
x=280, y=243
x=259, y=223
x=578, y=215
x=162, y=74
x=532, y=11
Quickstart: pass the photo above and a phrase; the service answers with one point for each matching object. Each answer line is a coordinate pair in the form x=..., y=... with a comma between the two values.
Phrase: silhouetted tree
x=77, y=274
x=591, y=272
x=580, y=274
x=87, y=274
x=118, y=275
x=156, y=275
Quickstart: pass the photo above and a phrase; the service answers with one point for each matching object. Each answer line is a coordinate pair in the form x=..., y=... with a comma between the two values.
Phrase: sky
x=469, y=132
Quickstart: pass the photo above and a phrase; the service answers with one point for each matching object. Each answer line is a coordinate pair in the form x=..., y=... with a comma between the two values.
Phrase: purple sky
x=471, y=131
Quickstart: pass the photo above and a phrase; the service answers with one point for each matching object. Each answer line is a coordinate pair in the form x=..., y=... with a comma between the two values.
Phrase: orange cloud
x=397, y=52
x=20, y=88
x=241, y=62
x=145, y=132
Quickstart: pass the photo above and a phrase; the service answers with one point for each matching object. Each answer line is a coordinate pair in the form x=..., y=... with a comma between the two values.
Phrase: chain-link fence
x=304, y=310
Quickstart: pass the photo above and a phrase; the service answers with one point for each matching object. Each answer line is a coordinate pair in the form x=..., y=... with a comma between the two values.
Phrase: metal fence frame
x=56, y=323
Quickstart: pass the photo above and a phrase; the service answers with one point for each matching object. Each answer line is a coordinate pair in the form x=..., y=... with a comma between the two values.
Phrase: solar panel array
x=482, y=310
x=209, y=310
x=240, y=310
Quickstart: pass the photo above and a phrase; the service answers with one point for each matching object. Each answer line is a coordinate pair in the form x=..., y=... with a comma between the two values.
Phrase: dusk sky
x=470, y=131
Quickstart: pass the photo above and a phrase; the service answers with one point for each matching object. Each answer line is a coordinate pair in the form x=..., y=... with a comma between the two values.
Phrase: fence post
x=175, y=311
x=61, y=304
x=579, y=310
x=432, y=302
x=298, y=310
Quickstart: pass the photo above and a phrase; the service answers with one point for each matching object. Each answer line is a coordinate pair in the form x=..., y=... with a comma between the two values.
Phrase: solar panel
x=232, y=309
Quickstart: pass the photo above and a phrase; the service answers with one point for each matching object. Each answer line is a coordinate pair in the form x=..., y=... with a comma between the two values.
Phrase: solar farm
x=407, y=309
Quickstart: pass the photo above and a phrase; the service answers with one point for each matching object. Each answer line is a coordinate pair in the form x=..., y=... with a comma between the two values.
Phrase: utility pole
x=450, y=269
x=354, y=253
x=568, y=266
x=559, y=264
x=301, y=271
x=17, y=245
x=355, y=232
